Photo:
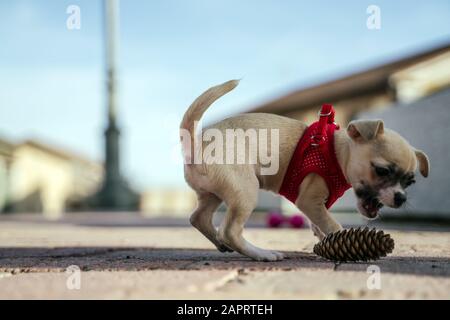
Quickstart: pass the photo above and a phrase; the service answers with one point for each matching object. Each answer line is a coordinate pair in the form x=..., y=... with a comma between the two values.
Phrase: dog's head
x=381, y=166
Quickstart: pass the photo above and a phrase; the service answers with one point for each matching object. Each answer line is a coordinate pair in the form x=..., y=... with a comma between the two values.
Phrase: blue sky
x=52, y=79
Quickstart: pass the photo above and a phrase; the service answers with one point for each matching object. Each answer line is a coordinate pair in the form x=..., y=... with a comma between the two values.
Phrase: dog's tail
x=198, y=108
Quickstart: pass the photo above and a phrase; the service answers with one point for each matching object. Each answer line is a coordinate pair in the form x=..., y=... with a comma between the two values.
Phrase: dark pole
x=115, y=194
x=112, y=133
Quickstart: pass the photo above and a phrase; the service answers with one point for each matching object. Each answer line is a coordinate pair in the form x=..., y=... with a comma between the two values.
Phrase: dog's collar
x=326, y=117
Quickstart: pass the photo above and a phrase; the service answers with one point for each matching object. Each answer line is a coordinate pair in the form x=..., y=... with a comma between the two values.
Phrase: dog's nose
x=399, y=199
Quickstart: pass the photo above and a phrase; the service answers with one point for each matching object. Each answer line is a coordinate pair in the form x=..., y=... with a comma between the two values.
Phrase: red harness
x=315, y=153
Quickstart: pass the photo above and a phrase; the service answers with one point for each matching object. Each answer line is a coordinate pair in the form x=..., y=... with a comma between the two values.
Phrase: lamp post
x=115, y=193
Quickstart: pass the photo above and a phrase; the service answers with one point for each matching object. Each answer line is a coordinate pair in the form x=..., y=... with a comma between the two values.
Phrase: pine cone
x=355, y=245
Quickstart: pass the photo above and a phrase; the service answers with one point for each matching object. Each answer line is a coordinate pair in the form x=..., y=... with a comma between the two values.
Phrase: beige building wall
x=405, y=85
x=168, y=202
x=4, y=185
x=39, y=181
x=5, y=161
x=422, y=79
x=42, y=181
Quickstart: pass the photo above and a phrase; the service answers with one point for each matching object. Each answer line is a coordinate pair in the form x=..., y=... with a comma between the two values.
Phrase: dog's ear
x=424, y=162
x=365, y=130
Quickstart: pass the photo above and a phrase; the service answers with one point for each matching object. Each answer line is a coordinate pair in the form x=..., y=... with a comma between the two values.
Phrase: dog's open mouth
x=370, y=207
x=368, y=202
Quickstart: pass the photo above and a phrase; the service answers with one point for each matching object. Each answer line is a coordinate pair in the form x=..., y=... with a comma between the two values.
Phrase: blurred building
x=168, y=202
x=35, y=177
x=382, y=92
x=38, y=178
x=378, y=88
x=6, y=152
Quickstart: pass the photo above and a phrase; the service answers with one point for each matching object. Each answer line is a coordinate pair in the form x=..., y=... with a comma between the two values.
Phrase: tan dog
x=377, y=162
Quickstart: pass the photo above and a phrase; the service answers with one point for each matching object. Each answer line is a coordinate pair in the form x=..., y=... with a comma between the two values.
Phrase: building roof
x=368, y=81
x=57, y=151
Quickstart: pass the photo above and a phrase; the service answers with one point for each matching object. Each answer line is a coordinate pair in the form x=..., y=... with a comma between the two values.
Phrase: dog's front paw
x=223, y=248
x=266, y=255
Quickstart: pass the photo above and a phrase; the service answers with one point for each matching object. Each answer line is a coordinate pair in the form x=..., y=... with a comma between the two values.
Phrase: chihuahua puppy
x=377, y=162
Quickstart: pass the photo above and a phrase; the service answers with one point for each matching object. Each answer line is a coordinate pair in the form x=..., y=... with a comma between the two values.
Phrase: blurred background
x=92, y=92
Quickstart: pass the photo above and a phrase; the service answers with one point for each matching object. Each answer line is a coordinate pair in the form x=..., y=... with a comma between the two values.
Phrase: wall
x=168, y=202
x=41, y=181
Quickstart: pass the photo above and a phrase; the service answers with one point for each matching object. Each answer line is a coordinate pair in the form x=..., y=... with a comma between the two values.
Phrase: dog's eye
x=382, y=172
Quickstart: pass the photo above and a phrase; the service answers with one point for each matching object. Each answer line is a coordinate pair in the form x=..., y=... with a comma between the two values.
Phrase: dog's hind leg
x=241, y=204
x=202, y=218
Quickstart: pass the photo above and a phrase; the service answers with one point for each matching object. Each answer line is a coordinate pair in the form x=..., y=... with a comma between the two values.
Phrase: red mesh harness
x=315, y=153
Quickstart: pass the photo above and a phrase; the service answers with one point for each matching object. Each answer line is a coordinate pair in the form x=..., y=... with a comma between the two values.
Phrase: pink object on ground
x=297, y=221
x=276, y=219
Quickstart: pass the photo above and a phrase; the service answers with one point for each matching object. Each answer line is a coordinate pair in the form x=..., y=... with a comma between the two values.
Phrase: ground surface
x=160, y=262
